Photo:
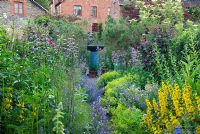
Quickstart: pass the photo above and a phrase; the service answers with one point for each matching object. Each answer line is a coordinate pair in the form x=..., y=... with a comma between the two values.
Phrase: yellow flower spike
x=163, y=101
x=169, y=87
x=174, y=121
x=168, y=115
x=163, y=85
x=198, y=130
x=198, y=103
x=167, y=125
x=149, y=117
x=176, y=99
x=187, y=95
x=155, y=105
x=148, y=104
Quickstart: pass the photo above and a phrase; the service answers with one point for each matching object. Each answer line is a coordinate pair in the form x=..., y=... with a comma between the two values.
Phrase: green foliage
x=165, y=14
x=82, y=113
x=187, y=40
x=58, y=125
x=127, y=120
x=169, y=51
x=99, y=34
x=113, y=90
x=140, y=76
x=107, y=77
x=191, y=71
x=38, y=72
x=3, y=37
x=194, y=14
x=121, y=34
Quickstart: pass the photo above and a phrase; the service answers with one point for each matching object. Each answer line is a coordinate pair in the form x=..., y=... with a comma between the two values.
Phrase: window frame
x=94, y=14
x=95, y=27
x=76, y=9
x=18, y=10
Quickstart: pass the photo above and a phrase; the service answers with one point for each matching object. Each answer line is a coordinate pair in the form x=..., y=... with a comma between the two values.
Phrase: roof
x=58, y=2
x=38, y=5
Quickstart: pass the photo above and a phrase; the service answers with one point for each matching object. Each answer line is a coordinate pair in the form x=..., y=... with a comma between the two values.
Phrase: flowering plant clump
x=175, y=108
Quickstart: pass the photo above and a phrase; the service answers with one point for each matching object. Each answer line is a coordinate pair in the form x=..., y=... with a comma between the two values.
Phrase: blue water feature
x=94, y=60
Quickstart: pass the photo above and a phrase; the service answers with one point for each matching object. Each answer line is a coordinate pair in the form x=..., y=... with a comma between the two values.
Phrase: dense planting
x=149, y=83
x=160, y=91
x=39, y=89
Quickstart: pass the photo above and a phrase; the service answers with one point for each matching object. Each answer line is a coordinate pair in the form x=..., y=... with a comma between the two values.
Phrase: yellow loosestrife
x=187, y=98
x=198, y=103
x=149, y=117
x=198, y=129
x=155, y=105
x=175, y=106
x=174, y=121
x=176, y=99
x=163, y=95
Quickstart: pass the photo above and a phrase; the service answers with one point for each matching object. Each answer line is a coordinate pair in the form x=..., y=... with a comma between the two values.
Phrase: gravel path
x=100, y=118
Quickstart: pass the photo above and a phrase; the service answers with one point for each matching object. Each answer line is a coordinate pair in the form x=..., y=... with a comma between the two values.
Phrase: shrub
x=140, y=76
x=114, y=89
x=107, y=77
x=126, y=120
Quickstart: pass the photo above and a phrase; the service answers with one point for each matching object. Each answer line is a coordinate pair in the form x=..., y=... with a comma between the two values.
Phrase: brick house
x=94, y=11
x=17, y=10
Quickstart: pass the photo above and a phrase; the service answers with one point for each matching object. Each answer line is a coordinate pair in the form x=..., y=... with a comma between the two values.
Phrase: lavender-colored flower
x=145, y=59
x=150, y=52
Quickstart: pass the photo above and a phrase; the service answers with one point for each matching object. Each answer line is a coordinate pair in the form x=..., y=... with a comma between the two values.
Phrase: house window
x=77, y=10
x=95, y=27
x=18, y=8
x=94, y=11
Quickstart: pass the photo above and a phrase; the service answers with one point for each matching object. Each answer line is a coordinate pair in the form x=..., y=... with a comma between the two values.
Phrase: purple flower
x=145, y=59
x=150, y=52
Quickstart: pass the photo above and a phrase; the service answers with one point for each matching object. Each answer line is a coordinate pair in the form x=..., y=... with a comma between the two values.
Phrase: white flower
x=4, y=15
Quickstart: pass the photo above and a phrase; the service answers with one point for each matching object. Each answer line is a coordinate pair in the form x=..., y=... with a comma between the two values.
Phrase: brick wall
x=4, y=8
x=30, y=11
x=33, y=11
x=102, y=10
